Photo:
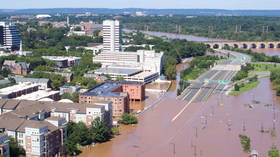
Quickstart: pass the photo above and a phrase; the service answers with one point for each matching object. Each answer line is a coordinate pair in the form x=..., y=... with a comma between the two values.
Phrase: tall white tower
x=111, y=36
x=68, y=21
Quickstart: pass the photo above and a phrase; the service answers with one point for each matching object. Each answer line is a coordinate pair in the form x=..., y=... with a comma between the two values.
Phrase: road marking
x=185, y=107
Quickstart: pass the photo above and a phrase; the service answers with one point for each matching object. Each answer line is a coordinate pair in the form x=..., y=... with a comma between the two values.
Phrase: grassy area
x=246, y=87
x=6, y=85
x=265, y=67
x=195, y=73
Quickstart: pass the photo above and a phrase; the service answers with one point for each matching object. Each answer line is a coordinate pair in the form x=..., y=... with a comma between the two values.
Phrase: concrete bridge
x=243, y=44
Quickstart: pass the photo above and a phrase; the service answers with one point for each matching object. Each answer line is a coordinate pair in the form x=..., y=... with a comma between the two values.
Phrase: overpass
x=243, y=44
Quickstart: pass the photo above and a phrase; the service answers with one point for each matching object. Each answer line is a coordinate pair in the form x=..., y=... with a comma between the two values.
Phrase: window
x=20, y=141
x=20, y=135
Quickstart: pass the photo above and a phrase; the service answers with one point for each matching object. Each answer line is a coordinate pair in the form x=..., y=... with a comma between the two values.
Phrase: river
x=178, y=36
x=267, y=51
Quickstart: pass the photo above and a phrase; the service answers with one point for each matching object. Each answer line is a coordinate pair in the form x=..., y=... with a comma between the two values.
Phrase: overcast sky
x=211, y=4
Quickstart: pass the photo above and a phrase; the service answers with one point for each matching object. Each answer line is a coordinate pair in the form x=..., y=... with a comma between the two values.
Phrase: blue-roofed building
x=118, y=92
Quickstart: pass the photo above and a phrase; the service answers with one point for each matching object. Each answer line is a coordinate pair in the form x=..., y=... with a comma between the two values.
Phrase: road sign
x=242, y=58
x=207, y=81
x=222, y=81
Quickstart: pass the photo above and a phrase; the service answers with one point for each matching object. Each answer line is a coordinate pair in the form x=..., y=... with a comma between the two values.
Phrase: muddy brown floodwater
x=269, y=51
x=207, y=129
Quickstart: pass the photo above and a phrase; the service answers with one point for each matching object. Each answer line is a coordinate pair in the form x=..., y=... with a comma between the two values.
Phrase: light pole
x=174, y=148
x=244, y=128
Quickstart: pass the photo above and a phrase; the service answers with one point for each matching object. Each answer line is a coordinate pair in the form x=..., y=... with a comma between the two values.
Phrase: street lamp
x=174, y=148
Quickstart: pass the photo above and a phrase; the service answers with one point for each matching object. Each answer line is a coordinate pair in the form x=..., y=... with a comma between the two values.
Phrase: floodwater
x=269, y=51
x=151, y=97
x=208, y=129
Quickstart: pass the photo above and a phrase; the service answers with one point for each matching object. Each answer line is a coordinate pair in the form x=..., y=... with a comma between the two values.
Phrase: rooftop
x=60, y=58
x=33, y=80
x=107, y=88
x=117, y=71
x=37, y=95
x=15, y=88
x=143, y=74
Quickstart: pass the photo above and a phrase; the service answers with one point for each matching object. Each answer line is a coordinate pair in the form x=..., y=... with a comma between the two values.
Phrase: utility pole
x=196, y=134
x=194, y=153
x=262, y=128
x=274, y=117
x=174, y=148
x=244, y=128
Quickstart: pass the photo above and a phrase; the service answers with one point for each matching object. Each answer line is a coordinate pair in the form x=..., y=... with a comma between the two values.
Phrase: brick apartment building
x=119, y=93
x=18, y=68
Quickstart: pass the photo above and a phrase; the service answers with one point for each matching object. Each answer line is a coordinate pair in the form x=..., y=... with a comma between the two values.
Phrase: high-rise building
x=111, y=35
x=9, y=36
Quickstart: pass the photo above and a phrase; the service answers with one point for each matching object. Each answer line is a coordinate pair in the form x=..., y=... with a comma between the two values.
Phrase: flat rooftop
x=37, y=95
x=105, y=89
x=144, y=74
x=60, y=58
x=16, y=88
x=102, y=89
x=117, y=71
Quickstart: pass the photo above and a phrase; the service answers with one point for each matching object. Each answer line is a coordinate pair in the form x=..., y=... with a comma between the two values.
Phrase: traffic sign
x=222, y=81
x=207, y=81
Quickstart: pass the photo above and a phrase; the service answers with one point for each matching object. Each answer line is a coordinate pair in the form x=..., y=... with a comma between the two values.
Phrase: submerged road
x=200, y=90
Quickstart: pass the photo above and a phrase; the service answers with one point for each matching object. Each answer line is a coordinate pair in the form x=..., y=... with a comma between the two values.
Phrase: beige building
x=40, y=127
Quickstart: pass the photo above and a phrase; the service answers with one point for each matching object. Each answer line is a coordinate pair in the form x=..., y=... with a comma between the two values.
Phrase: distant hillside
x=202, y=12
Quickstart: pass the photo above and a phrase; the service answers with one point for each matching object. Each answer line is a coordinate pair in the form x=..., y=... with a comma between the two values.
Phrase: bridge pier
x=243, y=44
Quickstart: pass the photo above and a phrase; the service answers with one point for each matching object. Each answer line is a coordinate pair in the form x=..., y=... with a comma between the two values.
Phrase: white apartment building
x=111, y=35
x=145, y=60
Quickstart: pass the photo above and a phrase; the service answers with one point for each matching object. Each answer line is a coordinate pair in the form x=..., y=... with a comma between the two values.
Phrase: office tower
x=68, y=21
x=9, y=36
x=111, y=35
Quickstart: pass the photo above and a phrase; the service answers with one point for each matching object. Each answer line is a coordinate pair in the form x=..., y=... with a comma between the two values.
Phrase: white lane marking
x=185, y=107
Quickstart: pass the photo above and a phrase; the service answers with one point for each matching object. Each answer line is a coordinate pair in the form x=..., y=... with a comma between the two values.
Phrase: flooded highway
x=208, y=129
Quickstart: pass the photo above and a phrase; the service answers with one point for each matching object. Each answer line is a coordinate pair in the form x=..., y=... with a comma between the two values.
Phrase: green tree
x=273, y=152
x=74, y=96
x=236, y=87
x=71, y=147
x=115, y=131
x=245, y=142
x=171, y=72
x=128, y=119
x=99, y=131
x=15, y=149
x=119, y=78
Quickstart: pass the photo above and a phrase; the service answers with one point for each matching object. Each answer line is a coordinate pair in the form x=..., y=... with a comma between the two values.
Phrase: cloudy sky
x=211, y=4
